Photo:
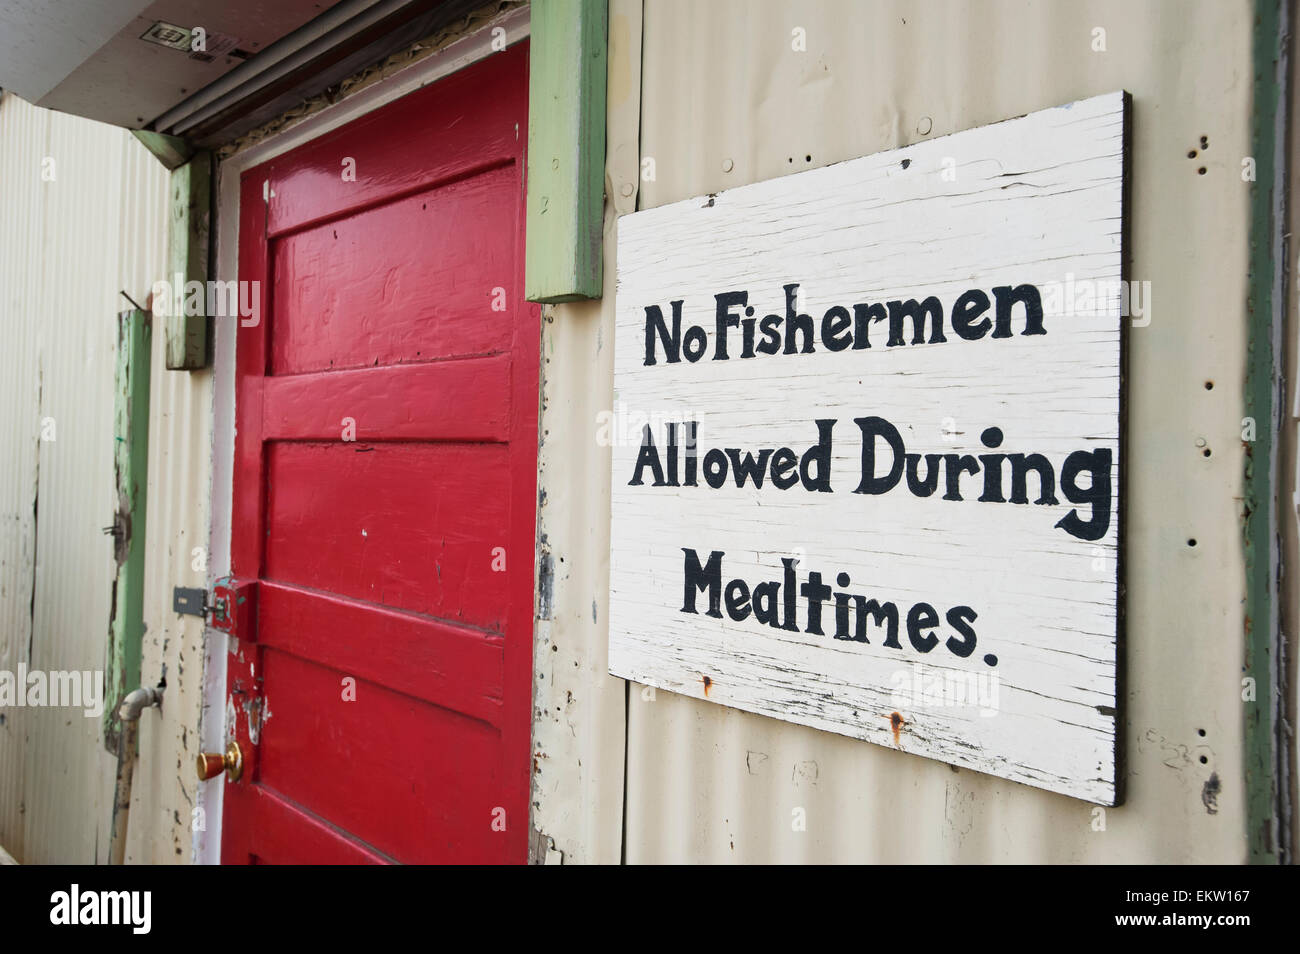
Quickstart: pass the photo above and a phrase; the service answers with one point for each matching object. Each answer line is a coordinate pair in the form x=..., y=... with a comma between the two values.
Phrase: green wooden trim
x=1267, y=270
x=169, y=150
x=566, y=149
x=187, y=258
x=131, y=469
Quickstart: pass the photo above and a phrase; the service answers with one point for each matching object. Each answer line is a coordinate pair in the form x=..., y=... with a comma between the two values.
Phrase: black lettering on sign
x=843, y=325
x=798, y=607
x=884, y=460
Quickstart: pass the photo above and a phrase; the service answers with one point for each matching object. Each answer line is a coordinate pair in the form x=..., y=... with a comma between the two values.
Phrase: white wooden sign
x=866, y=444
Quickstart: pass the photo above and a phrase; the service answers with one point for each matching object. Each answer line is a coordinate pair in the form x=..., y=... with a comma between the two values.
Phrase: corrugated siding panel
x=164, y=794
x=67, y=246
x=22, y=135
x=722, y=89
x=578, y=721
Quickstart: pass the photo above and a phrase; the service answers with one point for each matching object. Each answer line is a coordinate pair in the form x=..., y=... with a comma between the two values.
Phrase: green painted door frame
x=188, y=335
x=131, y=471
x=188, y=231
x=566, y=149
x=1263, y=687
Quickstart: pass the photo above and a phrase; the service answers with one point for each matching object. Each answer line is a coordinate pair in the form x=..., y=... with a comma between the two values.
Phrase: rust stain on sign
x=896, y=722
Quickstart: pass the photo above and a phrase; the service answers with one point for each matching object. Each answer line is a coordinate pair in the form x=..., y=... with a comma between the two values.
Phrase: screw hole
x=1204, y=760
x=1206, y=452
x=1209, y=385
x=1201, y=733
x=1201, y=171
x=1191, y=154
x=807, y=158
x=1191, y=542
x=1205, y=142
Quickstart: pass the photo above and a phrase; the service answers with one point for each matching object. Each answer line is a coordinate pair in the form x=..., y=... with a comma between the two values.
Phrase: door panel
x=385, y=488
x=411, y=766
x=418, y=550
x=358, y=287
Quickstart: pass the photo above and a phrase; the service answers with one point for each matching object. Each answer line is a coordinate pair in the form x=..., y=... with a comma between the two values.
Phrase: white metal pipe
x=128, y=713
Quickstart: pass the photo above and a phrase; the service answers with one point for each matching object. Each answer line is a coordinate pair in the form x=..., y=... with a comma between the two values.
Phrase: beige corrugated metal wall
x=22, y=140
x=83, y=211
x=165, y=792
x=724, y=100
x=700, y=89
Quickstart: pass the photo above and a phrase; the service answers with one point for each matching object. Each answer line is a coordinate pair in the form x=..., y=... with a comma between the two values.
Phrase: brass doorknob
x=212, y=764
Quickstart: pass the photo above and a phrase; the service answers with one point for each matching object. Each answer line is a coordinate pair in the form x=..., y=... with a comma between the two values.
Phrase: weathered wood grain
x=187, y=256
x=1036, y=200
x=131, y=387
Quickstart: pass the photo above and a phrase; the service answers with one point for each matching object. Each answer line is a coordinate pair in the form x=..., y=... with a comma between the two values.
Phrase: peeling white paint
x=230, y=718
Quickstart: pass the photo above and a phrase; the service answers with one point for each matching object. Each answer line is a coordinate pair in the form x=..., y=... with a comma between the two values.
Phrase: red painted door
x=385, y=488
